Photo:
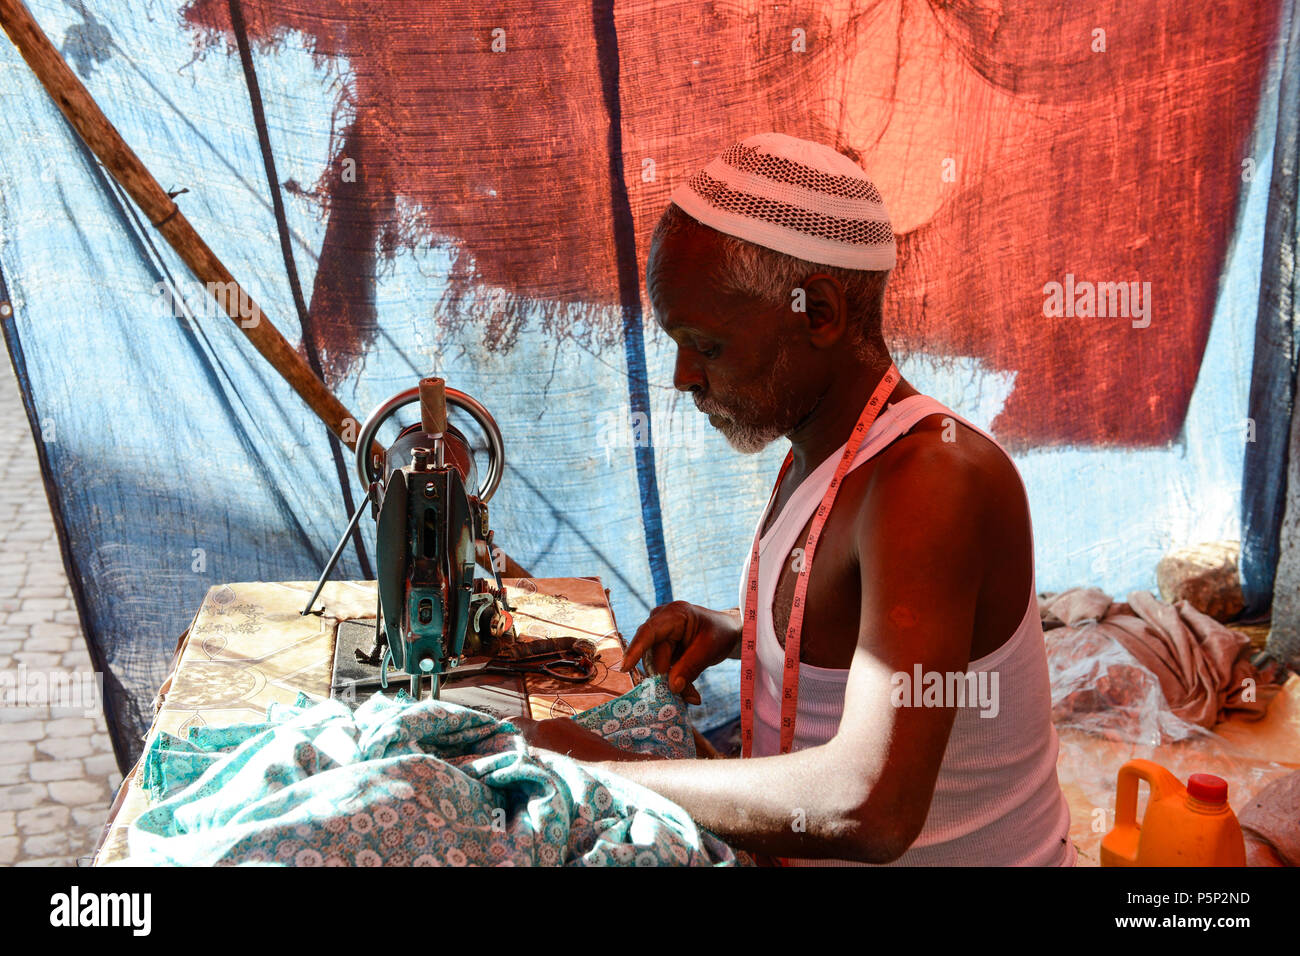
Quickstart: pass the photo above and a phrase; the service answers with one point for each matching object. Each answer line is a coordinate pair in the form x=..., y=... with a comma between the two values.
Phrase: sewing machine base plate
x=499, y=695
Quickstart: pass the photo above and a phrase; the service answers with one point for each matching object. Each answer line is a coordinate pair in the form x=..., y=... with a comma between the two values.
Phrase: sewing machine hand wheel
x=366, y=467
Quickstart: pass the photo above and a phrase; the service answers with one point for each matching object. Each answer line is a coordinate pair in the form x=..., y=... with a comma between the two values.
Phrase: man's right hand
x=682, y=640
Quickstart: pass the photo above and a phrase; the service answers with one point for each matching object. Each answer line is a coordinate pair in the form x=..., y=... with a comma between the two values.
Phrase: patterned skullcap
x=796, y=197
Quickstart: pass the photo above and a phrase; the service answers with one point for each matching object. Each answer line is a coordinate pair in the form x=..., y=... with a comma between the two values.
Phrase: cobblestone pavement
x=57, y=772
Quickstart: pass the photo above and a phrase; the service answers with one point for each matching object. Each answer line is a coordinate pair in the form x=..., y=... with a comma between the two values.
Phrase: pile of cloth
x=1145, y=671
x=402, y=782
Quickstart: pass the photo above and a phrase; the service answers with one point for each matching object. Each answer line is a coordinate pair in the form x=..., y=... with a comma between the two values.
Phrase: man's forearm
x=785, y=806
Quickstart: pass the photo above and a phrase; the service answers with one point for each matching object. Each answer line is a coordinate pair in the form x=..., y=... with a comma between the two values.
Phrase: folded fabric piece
x=398, y=782
x=1145, y=670
x=1272, y=818
x=649, y=718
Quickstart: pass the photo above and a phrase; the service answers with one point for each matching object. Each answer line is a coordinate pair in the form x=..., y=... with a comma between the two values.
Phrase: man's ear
x=826, y=309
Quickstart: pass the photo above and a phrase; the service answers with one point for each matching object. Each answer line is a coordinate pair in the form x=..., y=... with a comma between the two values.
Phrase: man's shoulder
x=941, y=446
x=943, y=463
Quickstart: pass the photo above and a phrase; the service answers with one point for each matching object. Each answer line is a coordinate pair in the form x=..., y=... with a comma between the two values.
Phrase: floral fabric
x=649, y=719
x=401, y=782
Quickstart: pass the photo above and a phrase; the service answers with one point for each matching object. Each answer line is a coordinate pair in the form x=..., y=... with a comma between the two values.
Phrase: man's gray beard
x=762, y=425
x=749, y=440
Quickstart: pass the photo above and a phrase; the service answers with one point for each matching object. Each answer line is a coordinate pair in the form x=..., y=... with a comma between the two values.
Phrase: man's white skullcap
x=796, y=197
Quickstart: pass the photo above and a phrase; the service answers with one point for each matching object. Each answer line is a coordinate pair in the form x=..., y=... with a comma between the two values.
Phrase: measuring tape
x=749, y=629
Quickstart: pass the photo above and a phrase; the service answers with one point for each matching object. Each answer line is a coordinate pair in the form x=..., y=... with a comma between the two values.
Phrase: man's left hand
x=562, y=736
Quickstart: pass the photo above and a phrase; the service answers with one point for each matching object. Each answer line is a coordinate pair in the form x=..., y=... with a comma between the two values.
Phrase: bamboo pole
x=76, y=103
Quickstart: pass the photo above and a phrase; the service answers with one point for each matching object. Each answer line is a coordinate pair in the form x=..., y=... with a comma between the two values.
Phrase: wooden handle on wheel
x=433, y=405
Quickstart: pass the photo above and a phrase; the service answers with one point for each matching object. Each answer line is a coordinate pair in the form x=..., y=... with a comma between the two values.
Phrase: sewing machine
x=434, y=615
x=435, y=622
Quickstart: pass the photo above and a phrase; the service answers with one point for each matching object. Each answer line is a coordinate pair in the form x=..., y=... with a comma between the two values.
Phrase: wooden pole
x=76, y=103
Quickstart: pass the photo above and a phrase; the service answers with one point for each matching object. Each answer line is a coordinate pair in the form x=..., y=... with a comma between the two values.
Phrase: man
x=918, y=722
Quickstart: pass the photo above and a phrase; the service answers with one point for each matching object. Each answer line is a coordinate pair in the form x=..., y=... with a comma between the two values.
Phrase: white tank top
x=996, y=800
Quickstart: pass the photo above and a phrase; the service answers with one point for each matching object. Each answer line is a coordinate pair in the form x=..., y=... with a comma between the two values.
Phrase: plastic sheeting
x=470, y=191
x=1147, y=672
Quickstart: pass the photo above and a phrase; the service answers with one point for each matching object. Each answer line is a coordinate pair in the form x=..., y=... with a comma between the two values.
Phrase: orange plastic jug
x=1183, y=826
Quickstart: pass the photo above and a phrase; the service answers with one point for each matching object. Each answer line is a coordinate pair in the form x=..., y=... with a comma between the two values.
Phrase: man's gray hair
x=753, y=271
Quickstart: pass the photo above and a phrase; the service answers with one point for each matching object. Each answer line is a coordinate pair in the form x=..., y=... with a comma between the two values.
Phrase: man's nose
x=687, y=375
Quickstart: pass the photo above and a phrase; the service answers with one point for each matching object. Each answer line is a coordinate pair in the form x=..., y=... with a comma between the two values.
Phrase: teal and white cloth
x=424, y=783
